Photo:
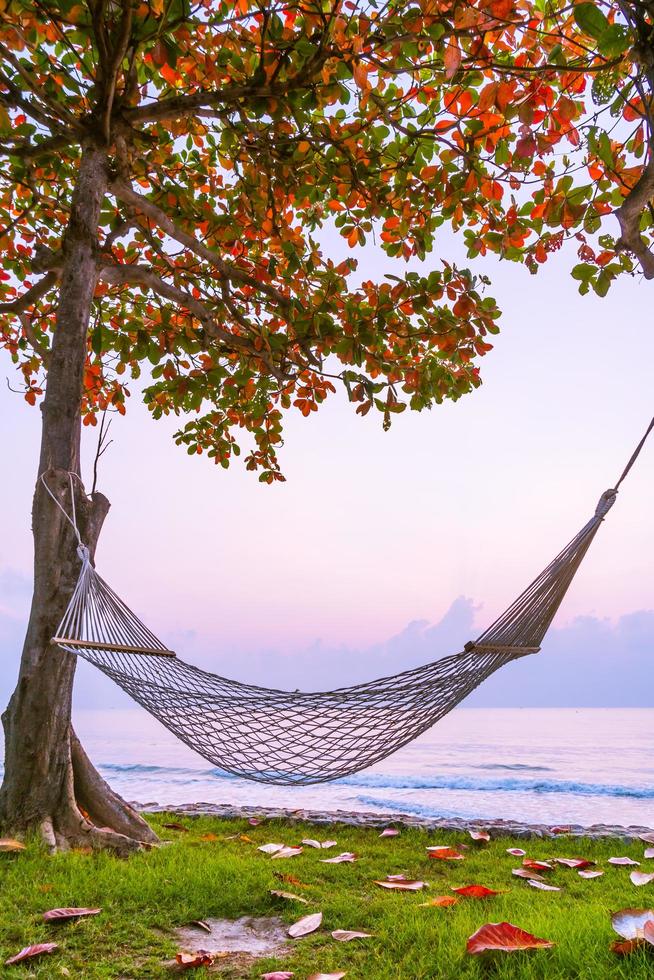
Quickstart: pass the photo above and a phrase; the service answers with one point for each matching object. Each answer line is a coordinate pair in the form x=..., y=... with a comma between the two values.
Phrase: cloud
x=589, y=662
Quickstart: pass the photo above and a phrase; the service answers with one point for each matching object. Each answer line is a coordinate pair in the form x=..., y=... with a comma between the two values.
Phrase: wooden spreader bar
x=115, y=647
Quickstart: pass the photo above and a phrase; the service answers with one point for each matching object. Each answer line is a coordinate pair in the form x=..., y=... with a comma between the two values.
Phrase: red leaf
x=577, y=863
x=626, y=946
x=475, y=891
x=31, y=952
x=65, y=915
x=537, y=865
x=505, y=937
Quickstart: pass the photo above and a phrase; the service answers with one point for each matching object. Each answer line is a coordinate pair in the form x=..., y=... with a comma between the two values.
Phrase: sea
x=535, y=765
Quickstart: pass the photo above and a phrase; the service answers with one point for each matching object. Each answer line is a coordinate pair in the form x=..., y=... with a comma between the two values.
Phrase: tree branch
x=628, y=215
x=226, y=270
x=30, y=296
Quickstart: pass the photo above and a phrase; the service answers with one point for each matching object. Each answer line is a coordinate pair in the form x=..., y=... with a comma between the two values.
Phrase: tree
x=167, y=171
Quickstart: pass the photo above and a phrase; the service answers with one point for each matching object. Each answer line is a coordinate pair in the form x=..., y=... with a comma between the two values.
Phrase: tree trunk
x=46, y=769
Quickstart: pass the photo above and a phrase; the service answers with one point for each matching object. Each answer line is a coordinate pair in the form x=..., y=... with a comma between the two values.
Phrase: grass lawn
x=209, y=872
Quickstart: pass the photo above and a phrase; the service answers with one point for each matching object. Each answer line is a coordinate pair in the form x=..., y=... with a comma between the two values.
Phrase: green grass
x=191, y=878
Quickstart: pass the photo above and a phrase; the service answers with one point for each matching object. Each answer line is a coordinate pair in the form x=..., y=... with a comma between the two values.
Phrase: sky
x=386, y=550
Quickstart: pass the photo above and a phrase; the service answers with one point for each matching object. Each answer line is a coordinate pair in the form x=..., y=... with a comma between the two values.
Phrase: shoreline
x=496, y=827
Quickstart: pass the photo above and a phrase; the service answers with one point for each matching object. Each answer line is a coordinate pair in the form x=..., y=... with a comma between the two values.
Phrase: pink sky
x=373, y=529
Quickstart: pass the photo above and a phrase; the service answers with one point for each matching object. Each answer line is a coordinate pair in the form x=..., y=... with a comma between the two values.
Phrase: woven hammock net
x=299, y=738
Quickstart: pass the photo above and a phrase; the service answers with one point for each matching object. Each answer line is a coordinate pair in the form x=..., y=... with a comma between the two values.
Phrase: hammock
x=299, y=738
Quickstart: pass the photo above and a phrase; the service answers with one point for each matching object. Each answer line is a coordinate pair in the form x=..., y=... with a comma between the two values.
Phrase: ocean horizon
x=535, y=765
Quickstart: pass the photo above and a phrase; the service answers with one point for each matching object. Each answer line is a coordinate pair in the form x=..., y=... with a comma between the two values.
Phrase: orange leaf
x=452, y=59
x=475, y=891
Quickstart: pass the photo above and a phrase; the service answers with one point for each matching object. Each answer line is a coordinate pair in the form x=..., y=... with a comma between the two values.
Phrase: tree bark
x=46, y=769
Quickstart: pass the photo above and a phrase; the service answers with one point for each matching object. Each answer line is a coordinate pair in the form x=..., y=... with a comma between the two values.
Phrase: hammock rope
x=299, y=738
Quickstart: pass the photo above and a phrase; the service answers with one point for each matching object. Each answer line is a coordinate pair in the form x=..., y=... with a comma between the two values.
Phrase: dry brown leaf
x=288, y=896
x=345, y=935
x=629, y=923
x=641, y=878
x=245, y=839
x=290, y=879
x=209, y=837
x=505, y=937
x=31, y=952
x=65, y=915
x=625, y=946
x=10, y=846
x=176, y=826
x=189, y=961
x=306, y=925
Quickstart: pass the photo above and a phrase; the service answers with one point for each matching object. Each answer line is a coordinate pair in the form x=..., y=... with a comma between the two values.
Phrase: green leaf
x=614, y=41
x=590, y=19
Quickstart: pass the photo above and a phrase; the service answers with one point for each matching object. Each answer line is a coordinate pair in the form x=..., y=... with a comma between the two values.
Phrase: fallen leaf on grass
x=346, y=856
x=201, y=924
x=329, y=843
x=505, y=937
x=475, y=891
x=270, y=848
x=345, y=935
x=649, y=852
x=245, y=839
x=629, y=923
x=622, y=947
x=390, y=832
x=209, y=837
x=640, y=878
x=590, y=874
x=622, y=861
x=306, y=925
x=542, y=885
x=287, y=852
x=402, y=884
x=277, y=975
x=537, y=865
x=10, y=846
x=65, y=915
x=524, y=873
x=441, y=901
x=255, y=821
x=326, y=976
x=648, y=838
x=289, y=879
x=480, y=835
x=176, y=826
x=516, y=852
x=444, y=853
x=576, y=863
x=31, y=952
x=189, y=961
x=288, y=896
x=46, y=888
x=311, y=843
